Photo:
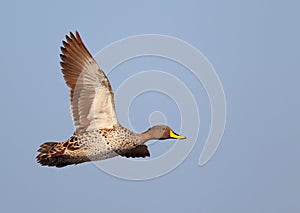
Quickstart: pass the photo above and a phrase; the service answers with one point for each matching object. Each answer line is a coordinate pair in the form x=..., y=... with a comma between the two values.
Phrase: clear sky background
x=254, y=48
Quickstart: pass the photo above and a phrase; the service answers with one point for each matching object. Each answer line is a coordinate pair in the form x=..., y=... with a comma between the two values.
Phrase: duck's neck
x=148, y=135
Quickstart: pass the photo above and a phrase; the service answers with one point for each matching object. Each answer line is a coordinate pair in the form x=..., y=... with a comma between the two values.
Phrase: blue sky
x=254, y=48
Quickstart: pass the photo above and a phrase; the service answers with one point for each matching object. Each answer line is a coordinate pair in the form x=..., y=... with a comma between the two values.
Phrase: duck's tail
x=52, y=154
x=61, y=154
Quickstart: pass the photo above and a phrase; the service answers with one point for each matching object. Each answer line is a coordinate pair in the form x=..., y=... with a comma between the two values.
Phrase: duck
x=98, y=134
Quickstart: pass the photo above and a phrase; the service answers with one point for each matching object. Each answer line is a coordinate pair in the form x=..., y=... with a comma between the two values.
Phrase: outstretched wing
x=91, y=95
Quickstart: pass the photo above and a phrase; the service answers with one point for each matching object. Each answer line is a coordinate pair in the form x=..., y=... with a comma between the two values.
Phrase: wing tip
x=78, y=36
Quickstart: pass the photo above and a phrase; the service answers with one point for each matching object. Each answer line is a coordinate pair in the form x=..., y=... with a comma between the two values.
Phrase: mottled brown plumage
x=98, y=134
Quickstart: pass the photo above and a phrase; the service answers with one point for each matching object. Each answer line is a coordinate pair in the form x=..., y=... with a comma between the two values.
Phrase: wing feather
x=91, y=95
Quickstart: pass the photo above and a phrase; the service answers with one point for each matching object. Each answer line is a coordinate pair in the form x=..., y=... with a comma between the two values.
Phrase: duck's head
x=162, y=132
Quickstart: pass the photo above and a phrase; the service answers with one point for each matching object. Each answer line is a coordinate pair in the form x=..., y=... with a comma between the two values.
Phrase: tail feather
x=61, y=154
x=46, y=147
x=53, y=154
x=50, y=154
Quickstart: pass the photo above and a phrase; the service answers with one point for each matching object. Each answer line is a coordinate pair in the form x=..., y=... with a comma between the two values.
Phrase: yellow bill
x=176, y=136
